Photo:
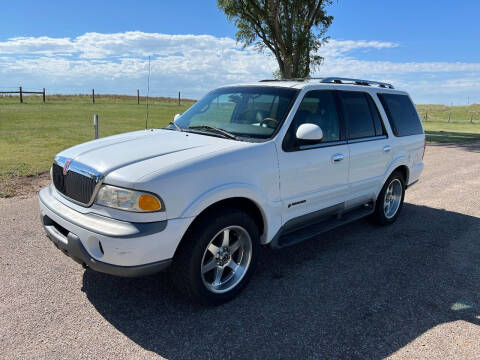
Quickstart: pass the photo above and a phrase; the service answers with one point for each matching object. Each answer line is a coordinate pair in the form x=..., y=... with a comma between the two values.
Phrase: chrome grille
x=80, y=182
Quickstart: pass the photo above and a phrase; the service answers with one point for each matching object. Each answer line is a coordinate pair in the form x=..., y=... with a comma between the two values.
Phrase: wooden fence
x=21, y=92
x=470, y=116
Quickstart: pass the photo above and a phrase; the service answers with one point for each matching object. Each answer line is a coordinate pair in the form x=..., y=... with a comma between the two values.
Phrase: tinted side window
x=357, y=115
x=377, y=120
x=401, y=114
x=318, y=107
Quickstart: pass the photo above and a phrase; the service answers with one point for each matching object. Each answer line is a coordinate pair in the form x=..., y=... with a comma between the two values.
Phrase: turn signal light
x=149, y=203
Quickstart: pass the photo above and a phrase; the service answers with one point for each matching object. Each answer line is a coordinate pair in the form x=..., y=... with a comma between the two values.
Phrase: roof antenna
x=148, y=92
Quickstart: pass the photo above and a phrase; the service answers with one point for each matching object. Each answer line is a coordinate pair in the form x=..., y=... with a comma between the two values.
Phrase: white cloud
x=118, y=63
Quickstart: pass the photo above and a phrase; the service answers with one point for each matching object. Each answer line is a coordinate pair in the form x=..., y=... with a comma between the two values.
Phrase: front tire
x=390, y=200
x=217, y=257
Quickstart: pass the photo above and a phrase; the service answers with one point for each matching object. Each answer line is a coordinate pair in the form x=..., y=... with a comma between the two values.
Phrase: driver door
x=314, y=175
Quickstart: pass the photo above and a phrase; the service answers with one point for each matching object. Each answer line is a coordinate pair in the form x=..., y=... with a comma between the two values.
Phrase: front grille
x=73, y=185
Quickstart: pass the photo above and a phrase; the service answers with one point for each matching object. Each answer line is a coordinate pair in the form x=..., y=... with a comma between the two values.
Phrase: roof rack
x=292, y=79
x=339, y=80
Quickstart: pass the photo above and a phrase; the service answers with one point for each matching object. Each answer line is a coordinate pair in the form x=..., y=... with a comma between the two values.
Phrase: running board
x=290, y=237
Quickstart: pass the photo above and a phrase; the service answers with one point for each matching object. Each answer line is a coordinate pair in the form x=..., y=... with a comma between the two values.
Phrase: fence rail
x=21, y=92
x=468, y=116
x=449, y=116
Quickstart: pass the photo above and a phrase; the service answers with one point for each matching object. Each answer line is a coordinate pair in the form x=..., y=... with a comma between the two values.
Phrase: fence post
x=93, y=96
x=449, y=116
x=21, y=95
x=43, y=95
x=179, y=98
x=138, y=97
x=95, y=125
x=471, y=118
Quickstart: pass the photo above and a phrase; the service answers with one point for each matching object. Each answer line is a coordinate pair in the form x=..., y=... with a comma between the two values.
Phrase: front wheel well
x=240, y=203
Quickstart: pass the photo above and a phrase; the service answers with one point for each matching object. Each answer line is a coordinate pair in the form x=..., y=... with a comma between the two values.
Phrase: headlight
x=130, y=200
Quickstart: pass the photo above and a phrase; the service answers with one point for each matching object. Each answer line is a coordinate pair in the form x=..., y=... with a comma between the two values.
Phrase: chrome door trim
x=321, y=145
x=370, y=138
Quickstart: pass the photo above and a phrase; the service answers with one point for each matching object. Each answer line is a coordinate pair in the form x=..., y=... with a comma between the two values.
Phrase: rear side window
x=358, y=116
x=401, y=114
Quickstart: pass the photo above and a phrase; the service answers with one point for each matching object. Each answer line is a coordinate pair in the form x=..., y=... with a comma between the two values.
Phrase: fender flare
x=228, y=191
x=400, y=161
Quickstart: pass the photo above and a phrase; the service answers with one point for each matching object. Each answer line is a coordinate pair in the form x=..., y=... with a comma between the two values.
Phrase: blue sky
x=429, y=48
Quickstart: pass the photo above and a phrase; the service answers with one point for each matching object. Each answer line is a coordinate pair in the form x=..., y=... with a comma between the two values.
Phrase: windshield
x=249, y=111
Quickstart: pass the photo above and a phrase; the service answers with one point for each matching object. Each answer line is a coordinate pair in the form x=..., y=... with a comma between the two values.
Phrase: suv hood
x=111, y=153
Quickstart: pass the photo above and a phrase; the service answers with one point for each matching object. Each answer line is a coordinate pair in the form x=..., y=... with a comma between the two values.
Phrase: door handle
x=337, y=158
x=387, y=148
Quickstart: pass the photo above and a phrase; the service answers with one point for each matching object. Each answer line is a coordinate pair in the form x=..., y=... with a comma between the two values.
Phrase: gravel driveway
x=411, y=290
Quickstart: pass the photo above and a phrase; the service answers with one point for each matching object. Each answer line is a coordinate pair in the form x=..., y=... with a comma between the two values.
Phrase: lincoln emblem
x=65, y=167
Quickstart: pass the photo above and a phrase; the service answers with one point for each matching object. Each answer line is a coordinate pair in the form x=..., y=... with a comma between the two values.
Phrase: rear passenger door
x=370, y=152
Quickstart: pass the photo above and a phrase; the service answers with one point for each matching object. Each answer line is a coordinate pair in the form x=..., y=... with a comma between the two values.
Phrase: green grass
x=32, y=133
x=458, y=114
x=459, y=129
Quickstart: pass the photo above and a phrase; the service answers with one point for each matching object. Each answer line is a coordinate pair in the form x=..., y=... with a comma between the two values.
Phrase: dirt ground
x=23, y=186
x=411, y=290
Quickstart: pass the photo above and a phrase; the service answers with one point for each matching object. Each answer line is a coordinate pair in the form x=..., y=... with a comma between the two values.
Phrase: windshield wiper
x=225, y=133
x=176, y=126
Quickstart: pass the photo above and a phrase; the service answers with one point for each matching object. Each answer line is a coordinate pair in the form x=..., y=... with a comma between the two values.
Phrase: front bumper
x=107, y=245
x=71, y=246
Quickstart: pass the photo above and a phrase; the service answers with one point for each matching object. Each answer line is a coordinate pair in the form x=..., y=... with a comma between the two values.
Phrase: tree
x=293, y=30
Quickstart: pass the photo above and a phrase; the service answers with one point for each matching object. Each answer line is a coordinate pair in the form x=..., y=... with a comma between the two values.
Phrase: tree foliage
x=293, y=30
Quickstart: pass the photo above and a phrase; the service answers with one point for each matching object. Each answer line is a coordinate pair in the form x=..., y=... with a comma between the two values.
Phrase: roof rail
x=292, y=79
x=338, y=80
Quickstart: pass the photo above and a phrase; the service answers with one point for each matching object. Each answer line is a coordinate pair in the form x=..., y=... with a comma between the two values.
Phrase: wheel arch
x=241, y=203
x=403, y=169
x=243, y=196
x=400, y=164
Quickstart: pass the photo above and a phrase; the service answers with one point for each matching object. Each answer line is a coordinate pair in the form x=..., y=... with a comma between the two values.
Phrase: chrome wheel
x=226, y=259
x=393, y=198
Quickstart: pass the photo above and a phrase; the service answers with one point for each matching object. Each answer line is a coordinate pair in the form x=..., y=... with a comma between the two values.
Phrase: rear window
x=401, y=114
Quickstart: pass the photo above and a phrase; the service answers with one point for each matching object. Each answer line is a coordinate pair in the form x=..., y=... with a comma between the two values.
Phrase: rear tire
x=390, y=200
x=217, y=257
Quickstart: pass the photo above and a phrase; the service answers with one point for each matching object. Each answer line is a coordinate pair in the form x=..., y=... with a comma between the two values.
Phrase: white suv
x=271, y=163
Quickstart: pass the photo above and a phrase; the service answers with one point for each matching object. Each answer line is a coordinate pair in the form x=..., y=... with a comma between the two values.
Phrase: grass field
x=459, y=129
x=32, y=133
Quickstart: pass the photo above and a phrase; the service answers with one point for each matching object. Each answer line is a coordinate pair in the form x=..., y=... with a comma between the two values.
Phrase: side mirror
x=176, y=117
x=309, y=132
